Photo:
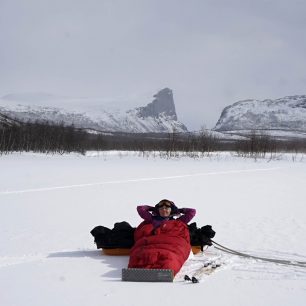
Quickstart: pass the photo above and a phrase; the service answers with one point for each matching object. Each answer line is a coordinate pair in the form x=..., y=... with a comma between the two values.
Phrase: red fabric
x=166, y=247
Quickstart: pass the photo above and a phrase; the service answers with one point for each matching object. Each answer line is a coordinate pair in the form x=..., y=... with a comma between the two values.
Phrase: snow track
x=6, y=261
x=137, y=180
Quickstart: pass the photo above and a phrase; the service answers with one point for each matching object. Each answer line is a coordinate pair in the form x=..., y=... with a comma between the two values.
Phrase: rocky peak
x=163, y=103
x=159, y=116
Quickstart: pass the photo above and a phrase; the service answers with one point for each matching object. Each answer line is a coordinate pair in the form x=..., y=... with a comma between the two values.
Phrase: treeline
x=50, y=138
x=259, y=145
x=60, y=139
x=41, y=137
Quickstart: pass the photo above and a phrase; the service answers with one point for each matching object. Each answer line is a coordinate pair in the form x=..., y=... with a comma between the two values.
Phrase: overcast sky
x=210, y=53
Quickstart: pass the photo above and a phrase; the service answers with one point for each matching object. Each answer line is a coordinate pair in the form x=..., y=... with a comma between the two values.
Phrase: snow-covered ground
x=49, y=204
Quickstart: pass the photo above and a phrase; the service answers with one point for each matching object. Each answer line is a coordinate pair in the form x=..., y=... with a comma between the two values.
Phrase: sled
x=126, y=251
x=196, y=249
x=116, y=251
x=119, y=240
x=147, y=275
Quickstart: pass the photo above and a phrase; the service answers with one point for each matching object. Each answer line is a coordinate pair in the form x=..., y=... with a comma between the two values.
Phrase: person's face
x=164, y=209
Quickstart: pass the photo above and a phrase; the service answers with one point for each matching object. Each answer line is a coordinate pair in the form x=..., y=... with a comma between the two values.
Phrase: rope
x=279, y=261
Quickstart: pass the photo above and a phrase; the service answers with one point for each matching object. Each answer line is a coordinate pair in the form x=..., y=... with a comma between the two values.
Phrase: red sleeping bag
x=166, y=247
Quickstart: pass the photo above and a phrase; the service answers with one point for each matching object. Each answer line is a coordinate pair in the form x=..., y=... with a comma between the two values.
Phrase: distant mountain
x=158, y=116
x=286, y=114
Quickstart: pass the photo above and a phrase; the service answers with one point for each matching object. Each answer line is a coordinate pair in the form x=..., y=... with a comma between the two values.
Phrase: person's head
x=165, y=208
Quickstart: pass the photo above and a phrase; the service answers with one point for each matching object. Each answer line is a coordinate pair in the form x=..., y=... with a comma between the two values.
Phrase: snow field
x=48, y=205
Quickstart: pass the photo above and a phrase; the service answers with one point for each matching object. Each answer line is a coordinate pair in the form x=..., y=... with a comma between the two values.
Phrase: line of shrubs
x=49, y=138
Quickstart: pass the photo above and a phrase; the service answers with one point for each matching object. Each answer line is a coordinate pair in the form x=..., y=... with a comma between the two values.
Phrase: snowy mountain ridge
x=96, y=114
x=288, y=113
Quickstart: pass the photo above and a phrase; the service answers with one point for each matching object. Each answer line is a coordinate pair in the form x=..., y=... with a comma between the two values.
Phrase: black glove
x=174, y=210
x=153, y=210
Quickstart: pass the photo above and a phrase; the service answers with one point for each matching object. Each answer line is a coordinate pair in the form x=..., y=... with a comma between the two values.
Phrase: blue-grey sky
x=210, y=53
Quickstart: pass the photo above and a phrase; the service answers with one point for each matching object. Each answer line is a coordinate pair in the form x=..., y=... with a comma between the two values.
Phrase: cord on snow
x=294, y=263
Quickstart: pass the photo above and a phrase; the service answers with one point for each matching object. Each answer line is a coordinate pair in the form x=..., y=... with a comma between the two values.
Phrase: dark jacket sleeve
x=188, y=214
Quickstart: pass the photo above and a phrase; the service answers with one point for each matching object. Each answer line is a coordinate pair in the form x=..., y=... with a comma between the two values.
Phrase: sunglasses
x=164, y=205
